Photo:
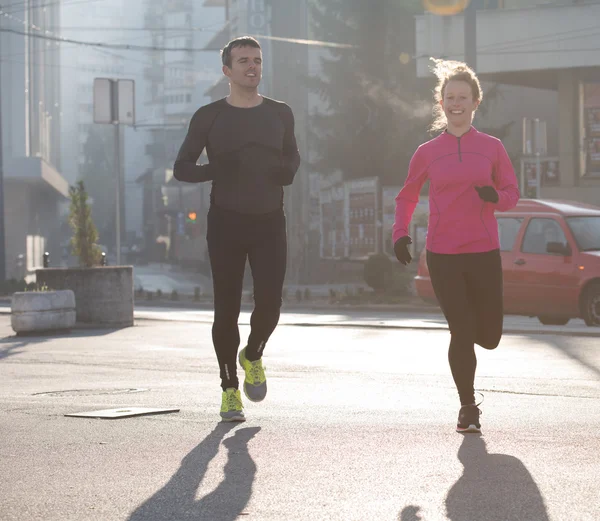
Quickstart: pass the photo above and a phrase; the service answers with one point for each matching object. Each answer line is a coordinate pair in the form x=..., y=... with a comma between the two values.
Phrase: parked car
x=550, y=261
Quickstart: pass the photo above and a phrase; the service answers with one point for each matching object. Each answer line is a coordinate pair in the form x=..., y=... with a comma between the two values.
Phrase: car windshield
x=586, y=231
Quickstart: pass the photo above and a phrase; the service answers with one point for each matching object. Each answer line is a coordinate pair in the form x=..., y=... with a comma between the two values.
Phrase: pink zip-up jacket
x=459, y=221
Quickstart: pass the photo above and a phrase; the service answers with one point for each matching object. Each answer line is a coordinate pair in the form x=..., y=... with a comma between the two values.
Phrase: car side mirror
x=559, y=248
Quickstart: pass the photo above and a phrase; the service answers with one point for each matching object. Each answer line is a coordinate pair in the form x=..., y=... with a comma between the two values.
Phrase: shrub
x=378, y=271
x=85, y=234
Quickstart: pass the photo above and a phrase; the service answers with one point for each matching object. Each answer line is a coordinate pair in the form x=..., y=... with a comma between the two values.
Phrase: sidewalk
x=350, y=317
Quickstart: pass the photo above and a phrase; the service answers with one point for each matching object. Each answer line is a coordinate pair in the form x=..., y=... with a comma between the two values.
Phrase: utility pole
x=2, y=237
x=470, y=23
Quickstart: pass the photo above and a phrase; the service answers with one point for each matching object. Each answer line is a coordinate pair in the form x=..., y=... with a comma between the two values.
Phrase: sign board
x=362, y=216
x=388, y=216
x=114, y=101
x=549, y=175
x=103, y=100
x=126, y=102
x=591, y=126
x=333, y=233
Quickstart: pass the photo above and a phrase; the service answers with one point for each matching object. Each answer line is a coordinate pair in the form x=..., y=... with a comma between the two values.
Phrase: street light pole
x=470, y=29
x=2, y=237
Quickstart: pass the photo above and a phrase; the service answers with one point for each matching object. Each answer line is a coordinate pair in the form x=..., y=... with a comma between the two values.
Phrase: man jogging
x=252, y=154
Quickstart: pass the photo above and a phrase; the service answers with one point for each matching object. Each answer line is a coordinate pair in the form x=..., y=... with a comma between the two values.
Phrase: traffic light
x=445, y=7
x=192, y=226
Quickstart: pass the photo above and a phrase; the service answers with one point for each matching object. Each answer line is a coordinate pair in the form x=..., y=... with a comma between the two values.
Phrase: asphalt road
x=358, y=424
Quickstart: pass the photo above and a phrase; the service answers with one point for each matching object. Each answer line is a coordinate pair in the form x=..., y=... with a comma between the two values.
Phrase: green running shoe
x=231, y=406
x=255, y=383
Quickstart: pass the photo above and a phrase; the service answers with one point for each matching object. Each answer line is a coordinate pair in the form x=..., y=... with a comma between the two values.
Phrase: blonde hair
x=445, y=71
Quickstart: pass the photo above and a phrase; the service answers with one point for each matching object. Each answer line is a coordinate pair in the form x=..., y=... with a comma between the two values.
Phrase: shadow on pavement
x=410, y=513
x=494, y=487
x=176, y=501
x=14, y=347
x=577, y=351
x=38, y=337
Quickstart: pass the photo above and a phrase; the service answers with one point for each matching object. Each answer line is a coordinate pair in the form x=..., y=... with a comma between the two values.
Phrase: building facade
x=545, y=57
x=175, y=87
x=34, y=188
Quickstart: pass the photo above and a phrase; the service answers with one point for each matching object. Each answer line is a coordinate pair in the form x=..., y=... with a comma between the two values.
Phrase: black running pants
x=232, y=238
x=468, y=288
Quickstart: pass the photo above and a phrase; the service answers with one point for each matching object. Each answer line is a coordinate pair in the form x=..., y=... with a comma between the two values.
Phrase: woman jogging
x=470, y=176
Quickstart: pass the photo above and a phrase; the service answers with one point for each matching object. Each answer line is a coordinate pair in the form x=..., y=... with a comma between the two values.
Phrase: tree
x=376, y=109
x=85, y=234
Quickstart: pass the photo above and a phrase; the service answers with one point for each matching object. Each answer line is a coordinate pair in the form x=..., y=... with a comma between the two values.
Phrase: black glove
x=401, y=249
x=487, y=193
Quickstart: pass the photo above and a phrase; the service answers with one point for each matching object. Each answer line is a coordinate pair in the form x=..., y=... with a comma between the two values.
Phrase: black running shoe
x=468, y=419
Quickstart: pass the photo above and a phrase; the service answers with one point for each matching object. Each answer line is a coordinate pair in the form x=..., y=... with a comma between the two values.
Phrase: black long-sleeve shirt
x=252, y=154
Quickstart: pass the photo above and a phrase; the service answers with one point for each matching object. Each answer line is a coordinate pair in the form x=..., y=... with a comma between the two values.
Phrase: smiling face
x=458, y=104
x=246, y=68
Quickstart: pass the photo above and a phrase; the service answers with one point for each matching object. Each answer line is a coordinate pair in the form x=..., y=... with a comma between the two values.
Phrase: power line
x=129, y=47
x=22, y=5
x=568, y=35
x=122, y=46
x=157, y=29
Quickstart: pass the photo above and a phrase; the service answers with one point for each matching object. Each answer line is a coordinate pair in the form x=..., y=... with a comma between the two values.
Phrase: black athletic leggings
x=468, y=287
x=232, y=238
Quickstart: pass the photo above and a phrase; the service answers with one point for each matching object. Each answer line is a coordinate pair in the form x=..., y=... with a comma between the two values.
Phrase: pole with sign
x=114, y=103
x=534, y=145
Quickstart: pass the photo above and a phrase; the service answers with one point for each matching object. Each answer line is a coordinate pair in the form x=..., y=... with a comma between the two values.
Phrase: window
x=586, y=231
x=539, y=233
x=508, y=229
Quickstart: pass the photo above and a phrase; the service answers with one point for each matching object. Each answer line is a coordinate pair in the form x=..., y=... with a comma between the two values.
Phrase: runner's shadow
x=176, y=501
x=494, y=487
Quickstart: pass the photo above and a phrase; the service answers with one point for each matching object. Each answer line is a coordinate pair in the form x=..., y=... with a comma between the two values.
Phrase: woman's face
x=458, y=103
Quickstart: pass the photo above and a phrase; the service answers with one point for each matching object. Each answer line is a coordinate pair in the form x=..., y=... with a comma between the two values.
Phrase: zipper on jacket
x=459, y=152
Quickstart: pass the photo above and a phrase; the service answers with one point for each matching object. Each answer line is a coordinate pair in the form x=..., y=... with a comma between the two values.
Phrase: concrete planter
x=33, y=311
x=103, y=295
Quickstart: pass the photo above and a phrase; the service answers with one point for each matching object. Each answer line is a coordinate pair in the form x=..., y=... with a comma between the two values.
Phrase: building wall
x=175, y=87
x=31, y=107
x=32, y=211
x=289, y=62
x=108, y=21
x=16, y=205
x=574, y=185
x=13, y=98
x=548, y=37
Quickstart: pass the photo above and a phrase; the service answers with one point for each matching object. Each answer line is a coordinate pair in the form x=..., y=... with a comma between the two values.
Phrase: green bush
x=378, y=272
x=85, y=234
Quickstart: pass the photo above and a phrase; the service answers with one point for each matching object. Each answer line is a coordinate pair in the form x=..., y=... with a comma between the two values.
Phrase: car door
x=508, y=231
x=544, y=283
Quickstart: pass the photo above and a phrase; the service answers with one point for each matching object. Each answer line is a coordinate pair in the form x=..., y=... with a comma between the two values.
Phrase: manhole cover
x=113, y=414
x=90, y=392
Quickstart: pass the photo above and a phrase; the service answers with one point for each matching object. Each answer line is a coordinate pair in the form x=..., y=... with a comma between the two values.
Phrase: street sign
x=126, y=102
x=114, y=101
x=102, y=100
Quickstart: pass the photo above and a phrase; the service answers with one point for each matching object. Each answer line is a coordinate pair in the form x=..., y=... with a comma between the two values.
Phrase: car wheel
x=590, y=305
x=553, y=321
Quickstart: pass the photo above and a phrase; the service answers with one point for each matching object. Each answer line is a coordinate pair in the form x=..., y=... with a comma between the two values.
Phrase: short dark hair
x=242, y=41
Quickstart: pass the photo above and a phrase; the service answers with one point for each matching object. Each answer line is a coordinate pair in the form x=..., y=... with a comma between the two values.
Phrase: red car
x=550, y=261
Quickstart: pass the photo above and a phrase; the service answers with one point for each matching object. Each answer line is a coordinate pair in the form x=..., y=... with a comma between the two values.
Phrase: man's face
x=246, y=67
